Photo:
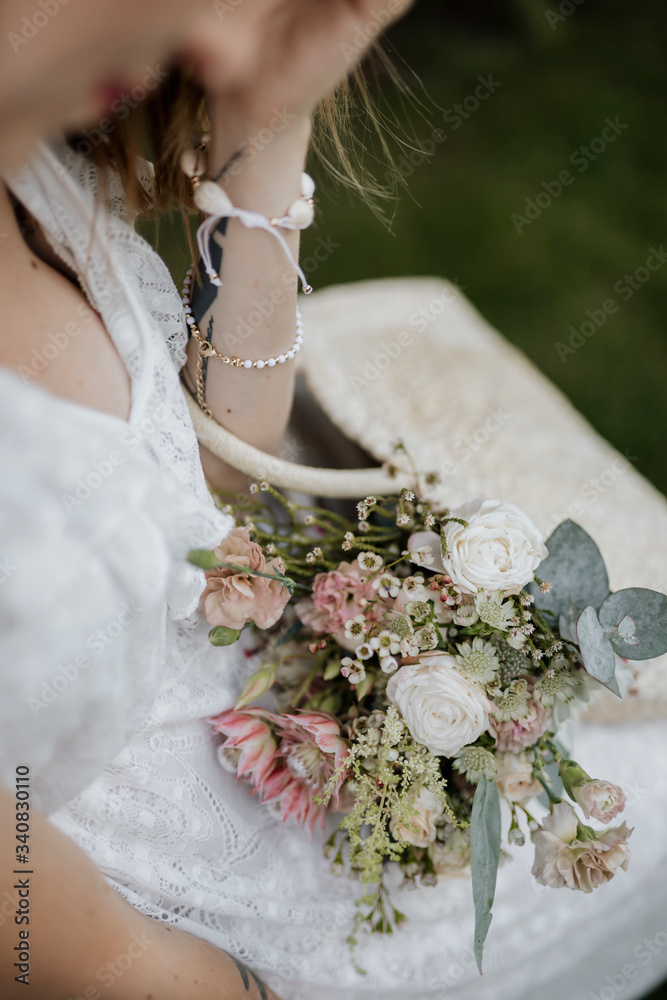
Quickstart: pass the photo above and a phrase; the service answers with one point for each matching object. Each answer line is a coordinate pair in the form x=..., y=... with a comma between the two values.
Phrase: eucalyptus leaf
x=596, y=650
x=484, y=855
x=576, y=571
x=568, y=628
x=553, y=780
x=648, y=611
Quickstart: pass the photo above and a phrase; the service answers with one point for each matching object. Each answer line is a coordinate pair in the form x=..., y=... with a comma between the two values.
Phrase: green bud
x=203, y=558
x=223, y=636
x=573, y=776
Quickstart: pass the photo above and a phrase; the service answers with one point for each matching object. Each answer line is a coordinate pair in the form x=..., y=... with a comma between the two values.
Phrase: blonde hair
x=173, y=118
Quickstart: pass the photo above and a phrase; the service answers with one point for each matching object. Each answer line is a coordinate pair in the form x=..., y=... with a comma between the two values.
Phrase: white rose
x=443, y=710
x=515, y=777
x=500, y=548
x=421, y=831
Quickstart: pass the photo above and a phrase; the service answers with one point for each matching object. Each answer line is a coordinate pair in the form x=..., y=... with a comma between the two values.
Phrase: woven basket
x=411, y=359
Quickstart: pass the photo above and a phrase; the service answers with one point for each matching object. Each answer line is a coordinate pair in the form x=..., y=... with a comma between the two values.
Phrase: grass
x=455, y=217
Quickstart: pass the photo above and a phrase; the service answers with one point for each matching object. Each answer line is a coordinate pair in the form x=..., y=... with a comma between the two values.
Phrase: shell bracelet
x=215, y=203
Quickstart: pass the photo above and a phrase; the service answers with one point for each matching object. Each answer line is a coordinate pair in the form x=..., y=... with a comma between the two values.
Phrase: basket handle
x=334, y=483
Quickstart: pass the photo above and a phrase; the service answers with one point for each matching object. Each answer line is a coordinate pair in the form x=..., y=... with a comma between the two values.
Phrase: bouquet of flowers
x=414, y=667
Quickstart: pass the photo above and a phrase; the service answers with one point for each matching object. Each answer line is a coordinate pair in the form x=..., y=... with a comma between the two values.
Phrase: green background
x=454, y=217
x=560, y=77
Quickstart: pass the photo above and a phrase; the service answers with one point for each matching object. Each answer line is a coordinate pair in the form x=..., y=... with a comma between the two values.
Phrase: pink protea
x=311, y=750
x=295, y=770
x=251, y=734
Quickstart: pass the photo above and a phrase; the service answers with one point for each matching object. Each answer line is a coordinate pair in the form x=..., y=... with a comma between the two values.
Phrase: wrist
x=265, y=166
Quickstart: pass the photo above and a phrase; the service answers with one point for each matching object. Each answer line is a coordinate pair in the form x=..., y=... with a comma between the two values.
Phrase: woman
x=108, y=678
x=108, y=675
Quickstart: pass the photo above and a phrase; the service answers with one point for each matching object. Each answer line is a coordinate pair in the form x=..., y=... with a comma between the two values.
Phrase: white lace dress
x=108, y=679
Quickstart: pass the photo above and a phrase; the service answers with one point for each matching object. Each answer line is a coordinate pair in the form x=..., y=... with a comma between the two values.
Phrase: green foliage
x=223, y=636
x=596, y=650
x=203, y=559
x=647, y=610
x=484, y=856
x=576, y=571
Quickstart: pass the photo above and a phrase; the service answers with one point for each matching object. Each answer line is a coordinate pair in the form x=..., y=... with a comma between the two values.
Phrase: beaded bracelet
x=207, y=350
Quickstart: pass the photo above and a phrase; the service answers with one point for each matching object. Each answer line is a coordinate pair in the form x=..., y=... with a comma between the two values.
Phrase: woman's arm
x=253, y=315
x=85, y=942
x=301, y=52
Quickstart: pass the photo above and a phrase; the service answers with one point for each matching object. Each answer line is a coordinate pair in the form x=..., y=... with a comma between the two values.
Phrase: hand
x=270, y=56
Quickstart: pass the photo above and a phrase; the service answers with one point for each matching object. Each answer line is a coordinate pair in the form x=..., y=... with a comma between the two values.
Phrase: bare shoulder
x=51, y=336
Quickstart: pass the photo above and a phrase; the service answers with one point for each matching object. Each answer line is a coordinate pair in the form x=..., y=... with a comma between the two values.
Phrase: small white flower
x=314, y=555
x=264, y=485
x=478, y=660
x=363, y=652
x=386, y=585
x=388, y=664
x=466, y=615
x=309, y=519
x=527, y=600
x=402, y=520
x=422, y=556
x=363, y=527
x=355, y=628
x=429, y=521
x=493, y=611
x=475, y=763
x=408, y=495
x=386, y=642
x=545, y=586
x=427, y=637
x=409, y=646
x=353, y=670
x=253, y=488
x=348, y=541
x=515, y=836
x=419, y=610
x=412, y=583
x=511, y=703
x=370, y=561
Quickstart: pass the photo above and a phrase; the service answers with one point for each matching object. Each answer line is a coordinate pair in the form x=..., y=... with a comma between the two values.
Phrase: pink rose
x=337, y=596
x=419, y=828
x=515, y=736
x=600, y=799
x=233, y=598
x=577, y=857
